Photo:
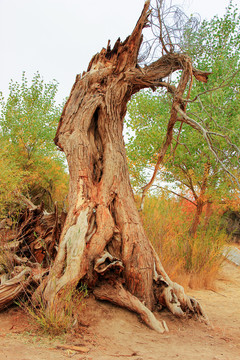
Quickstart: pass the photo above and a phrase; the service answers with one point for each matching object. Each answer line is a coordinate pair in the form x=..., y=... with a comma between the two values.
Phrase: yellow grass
x=191, y=261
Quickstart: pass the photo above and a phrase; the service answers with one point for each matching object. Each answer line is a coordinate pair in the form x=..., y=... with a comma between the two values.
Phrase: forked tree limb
x=184, y=63
x=181, y=109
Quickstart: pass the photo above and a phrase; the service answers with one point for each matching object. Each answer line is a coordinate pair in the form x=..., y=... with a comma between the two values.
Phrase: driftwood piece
x=12, y=288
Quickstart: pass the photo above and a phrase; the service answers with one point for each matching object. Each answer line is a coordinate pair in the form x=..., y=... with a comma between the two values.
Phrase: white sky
x=59, y=37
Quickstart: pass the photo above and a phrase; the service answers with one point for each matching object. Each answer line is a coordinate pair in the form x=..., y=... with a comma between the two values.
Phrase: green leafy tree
x=28, y=122
x=197, y=168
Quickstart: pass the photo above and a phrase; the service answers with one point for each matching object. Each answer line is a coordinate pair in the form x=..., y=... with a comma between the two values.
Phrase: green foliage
x=11, y=178
x=30, y=162
x=214, y=47
x=146, y=127
x=30, y=116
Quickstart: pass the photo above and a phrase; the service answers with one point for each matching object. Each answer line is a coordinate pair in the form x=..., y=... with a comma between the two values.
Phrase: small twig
x=223, y=84
x=74, y=348
x=122, y=355
x=218, y=293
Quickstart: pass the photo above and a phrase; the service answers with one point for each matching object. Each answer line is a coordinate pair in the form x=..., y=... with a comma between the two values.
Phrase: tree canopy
x=215, y=106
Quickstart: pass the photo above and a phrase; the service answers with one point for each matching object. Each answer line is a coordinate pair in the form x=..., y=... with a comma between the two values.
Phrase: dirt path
x=115, y=333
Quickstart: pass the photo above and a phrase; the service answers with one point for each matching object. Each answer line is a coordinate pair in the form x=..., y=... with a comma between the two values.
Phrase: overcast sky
x=59, y=37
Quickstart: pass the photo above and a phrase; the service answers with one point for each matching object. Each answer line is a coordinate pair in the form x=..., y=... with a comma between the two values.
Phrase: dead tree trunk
x=103, y=242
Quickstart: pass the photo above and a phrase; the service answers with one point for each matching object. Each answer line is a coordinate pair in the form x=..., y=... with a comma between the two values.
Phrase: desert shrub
x=192, y=261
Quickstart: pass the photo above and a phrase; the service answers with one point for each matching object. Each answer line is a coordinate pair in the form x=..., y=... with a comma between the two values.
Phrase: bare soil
x=113, y=333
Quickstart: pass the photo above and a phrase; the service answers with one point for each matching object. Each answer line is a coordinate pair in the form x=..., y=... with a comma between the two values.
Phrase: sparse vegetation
x=56, y=320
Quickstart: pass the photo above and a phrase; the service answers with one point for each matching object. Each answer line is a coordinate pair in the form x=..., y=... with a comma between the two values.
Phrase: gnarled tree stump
x=103, y=242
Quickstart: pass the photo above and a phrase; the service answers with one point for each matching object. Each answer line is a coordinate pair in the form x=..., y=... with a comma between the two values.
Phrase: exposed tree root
x=175, y=299
x=121, y=297
x=109, y=274
x=167, y=294
x=173, y=295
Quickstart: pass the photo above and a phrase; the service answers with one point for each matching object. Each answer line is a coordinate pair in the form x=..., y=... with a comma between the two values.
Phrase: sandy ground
x=113, y=333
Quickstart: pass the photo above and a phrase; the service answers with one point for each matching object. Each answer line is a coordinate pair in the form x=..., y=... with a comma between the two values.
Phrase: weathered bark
x=103, y=239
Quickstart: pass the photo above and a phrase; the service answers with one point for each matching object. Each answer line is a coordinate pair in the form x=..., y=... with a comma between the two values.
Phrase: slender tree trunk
x=197, y=218
x=209, y=212
x=103, y=242
x=200, y=200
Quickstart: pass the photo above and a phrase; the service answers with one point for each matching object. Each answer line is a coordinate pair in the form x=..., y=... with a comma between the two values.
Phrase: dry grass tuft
x=60, y=317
